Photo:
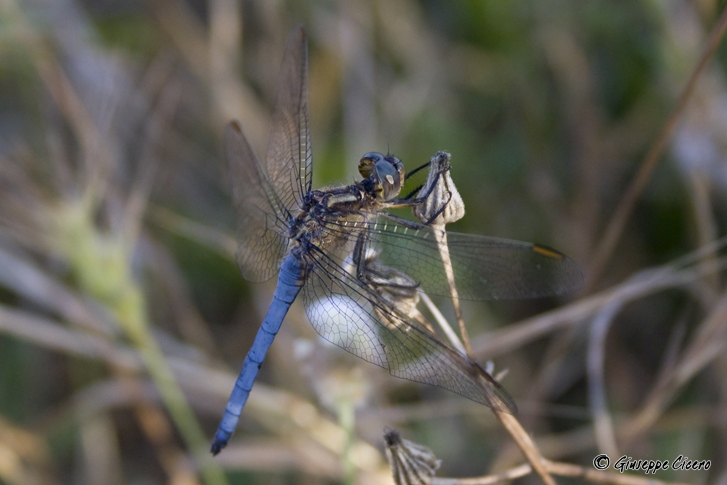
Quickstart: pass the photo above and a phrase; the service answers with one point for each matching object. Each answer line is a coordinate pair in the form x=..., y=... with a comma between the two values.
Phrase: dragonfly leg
x=416, y=170
x=407, y=202
x=366, y=267
x=415, y=225
x=411, y=194
x=441, y=209
x=416, y=190
x=358, y=258
x=404, y=222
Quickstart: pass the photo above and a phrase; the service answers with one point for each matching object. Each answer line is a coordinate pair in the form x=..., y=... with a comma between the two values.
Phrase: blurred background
x=124, y=319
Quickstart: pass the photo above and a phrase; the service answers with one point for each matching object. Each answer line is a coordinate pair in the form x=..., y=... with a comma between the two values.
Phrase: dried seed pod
x=443, y=195
x=411, y=464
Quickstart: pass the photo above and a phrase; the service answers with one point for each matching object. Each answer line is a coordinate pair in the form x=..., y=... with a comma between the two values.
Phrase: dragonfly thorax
x=345, y=205
x=323, y=207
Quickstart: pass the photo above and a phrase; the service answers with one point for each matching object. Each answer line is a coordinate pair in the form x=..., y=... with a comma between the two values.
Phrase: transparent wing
x=260, y=223
x=265, y=195
x=350, y=315
x=485, y=268
x=289, y=160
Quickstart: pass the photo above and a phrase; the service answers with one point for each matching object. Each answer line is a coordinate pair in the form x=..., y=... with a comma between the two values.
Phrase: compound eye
x=389, y=179
x=367, y=164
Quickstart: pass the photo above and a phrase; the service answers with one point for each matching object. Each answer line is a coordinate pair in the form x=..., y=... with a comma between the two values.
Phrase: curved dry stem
x=616, y=225
x=677, y=274
x=603, y=423
x=526, y=445
x=705, y=347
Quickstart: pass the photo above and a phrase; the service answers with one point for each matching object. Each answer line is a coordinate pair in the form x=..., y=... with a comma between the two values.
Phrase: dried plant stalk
x=443, y=206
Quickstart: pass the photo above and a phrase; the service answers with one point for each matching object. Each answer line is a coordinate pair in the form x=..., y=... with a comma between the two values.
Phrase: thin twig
x=707, y=345
x=511, y=474
x=526, y=445
x=443, y=323
x=414, y=463
x=222, y=243
x=616, y=225
x=700, y=185
x=556, y=468
x=441, y=237
x=443, y=205
x=596, y=476
x=197, y=378
x=603, y=424
x=644, y=283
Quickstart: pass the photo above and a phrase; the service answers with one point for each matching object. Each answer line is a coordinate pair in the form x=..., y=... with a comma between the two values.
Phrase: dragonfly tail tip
x=217, y=446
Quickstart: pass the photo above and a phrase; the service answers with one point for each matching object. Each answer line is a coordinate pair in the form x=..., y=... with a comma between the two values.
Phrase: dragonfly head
x=385, y=171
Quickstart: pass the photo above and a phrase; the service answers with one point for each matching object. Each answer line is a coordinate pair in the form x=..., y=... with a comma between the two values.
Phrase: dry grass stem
x=709, y=344
x=444, y=205
x=678, y=274
x=123, y=314
x=198, y=379
x=620, y=216
x=445, y=195
x=443, y=323
x=444, y=253
x=526, y=445
x=558, y=469
x=602, y=420
x=203, y=234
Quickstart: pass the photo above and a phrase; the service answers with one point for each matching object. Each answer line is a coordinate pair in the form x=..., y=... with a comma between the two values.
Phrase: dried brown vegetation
x=123, y=319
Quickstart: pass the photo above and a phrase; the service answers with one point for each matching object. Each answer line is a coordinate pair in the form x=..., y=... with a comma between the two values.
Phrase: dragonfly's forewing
x=485, y=268
x=289, y=161
x=352, y=316
x=265, y=195
x=260, y=228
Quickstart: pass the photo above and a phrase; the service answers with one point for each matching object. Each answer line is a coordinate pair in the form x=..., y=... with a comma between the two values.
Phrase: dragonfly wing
x=289, y=160
x=485, y=268
x=260, y=214
x=350, y=315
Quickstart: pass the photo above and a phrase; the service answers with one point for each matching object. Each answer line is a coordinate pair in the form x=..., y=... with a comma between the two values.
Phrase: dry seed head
x=444, y=194
x=410, y=463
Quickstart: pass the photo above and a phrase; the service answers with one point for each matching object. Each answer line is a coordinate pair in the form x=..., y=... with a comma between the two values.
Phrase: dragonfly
x=358, y=266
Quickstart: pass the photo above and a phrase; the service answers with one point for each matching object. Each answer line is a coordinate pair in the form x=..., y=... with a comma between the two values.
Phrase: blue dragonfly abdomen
x=290, y=281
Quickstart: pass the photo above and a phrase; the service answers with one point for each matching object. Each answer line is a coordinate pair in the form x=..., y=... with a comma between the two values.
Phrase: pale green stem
x=347, y=420
x=101, y=266
x=131, y=314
